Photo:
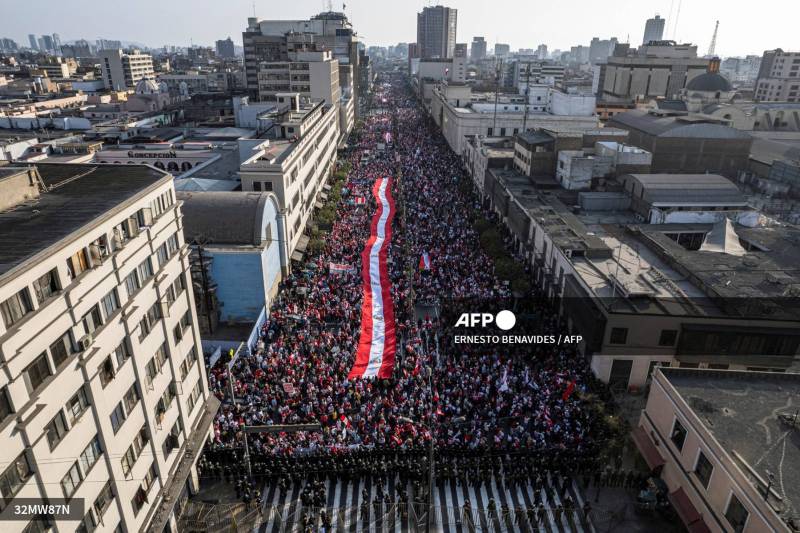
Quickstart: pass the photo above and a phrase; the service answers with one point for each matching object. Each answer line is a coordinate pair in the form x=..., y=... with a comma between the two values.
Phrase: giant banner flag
x=377, y=342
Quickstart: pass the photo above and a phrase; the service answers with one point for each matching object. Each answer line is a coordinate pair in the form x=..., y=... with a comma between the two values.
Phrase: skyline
x=387, y=23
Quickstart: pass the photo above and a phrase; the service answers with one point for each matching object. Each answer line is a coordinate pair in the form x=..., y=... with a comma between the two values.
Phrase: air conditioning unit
x=133, y=227
x=85, y=342
x=164, y=308
x=147, y=216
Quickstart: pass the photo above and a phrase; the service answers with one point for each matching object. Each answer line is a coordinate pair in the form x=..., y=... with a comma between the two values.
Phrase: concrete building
x=653, y=30
x=590, y=169
x=460, y=113
x=600, y=49
x=741, y=70
x=521, y=72
x=121, y=70
x=104, y=396
x=686, y=144
x=294, y=163
x=687, y=198
x=32, y=42
x=645, y=295
x=225, y=48
x=709, y=434
x=436, y=32
x=778, y=77
x=241, y=237
x=482, y=153
x=502, y=50
x=478, y=50
x=657, y=69
x=269, y=41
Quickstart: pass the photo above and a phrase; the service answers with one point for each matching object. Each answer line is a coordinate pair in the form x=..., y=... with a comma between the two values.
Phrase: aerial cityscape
x=349, y=268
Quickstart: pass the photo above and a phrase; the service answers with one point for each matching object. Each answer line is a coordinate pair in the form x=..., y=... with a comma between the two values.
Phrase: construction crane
x=712, y=48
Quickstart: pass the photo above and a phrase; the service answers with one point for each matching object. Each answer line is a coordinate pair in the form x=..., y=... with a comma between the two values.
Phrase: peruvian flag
x=360, y=200
x=568, y=391
x=377, y=342
x=425, y=262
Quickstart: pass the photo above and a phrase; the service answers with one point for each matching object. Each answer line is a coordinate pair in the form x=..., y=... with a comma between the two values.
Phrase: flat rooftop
x=741, y=411
x=77, y=196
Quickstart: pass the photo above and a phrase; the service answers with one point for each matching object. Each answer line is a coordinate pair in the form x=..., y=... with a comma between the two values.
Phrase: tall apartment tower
x=32, y=40
x=124, y=69
x=103, y=397
x=779, y=77
x=653, y=29
x=226, y=48
x=436, y=32
x=478, y=50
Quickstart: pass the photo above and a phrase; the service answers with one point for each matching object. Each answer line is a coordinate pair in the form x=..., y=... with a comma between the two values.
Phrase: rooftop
x=741, y=411
x=666, y=125
x=76, y=197
x=688, y=188
x=219, y=218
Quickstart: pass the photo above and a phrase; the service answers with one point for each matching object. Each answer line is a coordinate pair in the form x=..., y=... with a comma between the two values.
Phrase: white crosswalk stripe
x=514, y=506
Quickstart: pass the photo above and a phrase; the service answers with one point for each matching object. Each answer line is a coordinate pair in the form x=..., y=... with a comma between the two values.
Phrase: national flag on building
x=425, y=262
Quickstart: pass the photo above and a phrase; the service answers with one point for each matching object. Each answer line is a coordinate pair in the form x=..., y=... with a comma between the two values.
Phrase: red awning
x=647, y=448
x=686, y=510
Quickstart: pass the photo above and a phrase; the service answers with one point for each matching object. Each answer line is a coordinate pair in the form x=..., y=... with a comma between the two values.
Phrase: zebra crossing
x=283, y=512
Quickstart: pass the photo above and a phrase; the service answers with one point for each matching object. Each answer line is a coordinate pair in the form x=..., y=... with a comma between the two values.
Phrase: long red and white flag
x=377, y=342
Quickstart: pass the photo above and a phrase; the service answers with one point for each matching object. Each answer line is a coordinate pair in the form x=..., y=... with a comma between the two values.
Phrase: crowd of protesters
x=474, y=401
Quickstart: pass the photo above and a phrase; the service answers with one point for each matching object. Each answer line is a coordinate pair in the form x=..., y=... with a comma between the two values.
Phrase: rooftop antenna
x=254, y=9
x=712, y=48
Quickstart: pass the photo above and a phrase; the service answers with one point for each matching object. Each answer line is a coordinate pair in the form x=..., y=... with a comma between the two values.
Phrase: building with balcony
x=122, y=70
x=293, y=161
x=104, y=396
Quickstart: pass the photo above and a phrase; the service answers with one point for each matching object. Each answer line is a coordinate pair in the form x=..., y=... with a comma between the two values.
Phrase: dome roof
x=147, y=86
x=709, y=82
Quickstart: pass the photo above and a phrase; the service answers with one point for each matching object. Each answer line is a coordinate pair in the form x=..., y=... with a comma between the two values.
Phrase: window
x=110, y=303
x=106, y=371
x=16, y=307
x=718, y=366
x=162, y=255
x=703, y=469
x=172, y=440
x=92, y=320
x=90, y=455
x=736, y=514
x=46, y=286
x=77, y=405
x=40, y=524
x=678, y=435
x=194, y=395
x=134, y=450
x=71, y=481
x=117, y=417
x=12, y=479
x=104, y=499
x=130, y=399
x=132, y=283
x=5, y=404
x=122, y=353
x=618, y=335
x=180, y=328
x=149, y=320
x=56, y=429
x=61, y=349
x=179, y=284
x=37, y=372
x=77, y=264
x=668, y=337
x=145, y=270
x=88, y=524
x=170, y=295
x=140, y=498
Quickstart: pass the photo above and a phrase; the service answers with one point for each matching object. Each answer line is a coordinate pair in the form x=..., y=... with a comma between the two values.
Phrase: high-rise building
x=225, y=48
x=8, y=45
x=653, y=29
x=501, y=50
x=105, y=44
x=56, y=43
x=124, y=69
x=104, y=397
x=32, y=40
x=541, y=51
x=478, y=50
x=436, y=32
x=460, y=50
x=779, y=77
x=268, y=40
x=47, y=43
x=600, y=49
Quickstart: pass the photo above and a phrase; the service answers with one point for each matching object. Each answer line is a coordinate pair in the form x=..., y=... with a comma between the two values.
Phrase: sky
x=520, y=23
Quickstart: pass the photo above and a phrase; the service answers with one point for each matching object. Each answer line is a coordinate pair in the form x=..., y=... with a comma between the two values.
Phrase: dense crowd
x=470, y=399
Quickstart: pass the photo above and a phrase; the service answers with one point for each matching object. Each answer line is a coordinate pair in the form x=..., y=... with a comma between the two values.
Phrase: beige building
x=295, y=162
x=779, y=77
x=724, y=442
x=123, y=70
x=103, y=397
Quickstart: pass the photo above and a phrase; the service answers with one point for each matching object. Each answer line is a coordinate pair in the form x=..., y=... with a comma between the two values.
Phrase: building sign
x=155, y=155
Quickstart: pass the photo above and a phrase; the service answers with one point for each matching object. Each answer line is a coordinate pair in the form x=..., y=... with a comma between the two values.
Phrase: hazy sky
x=745, y=26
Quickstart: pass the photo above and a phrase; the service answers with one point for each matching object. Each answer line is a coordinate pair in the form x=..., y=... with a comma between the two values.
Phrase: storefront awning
x=318, y=205
x=302, y=243
x=647, y=448
x=326, y=187
x=323, y=196
x=687, y=511
x=297, y=256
